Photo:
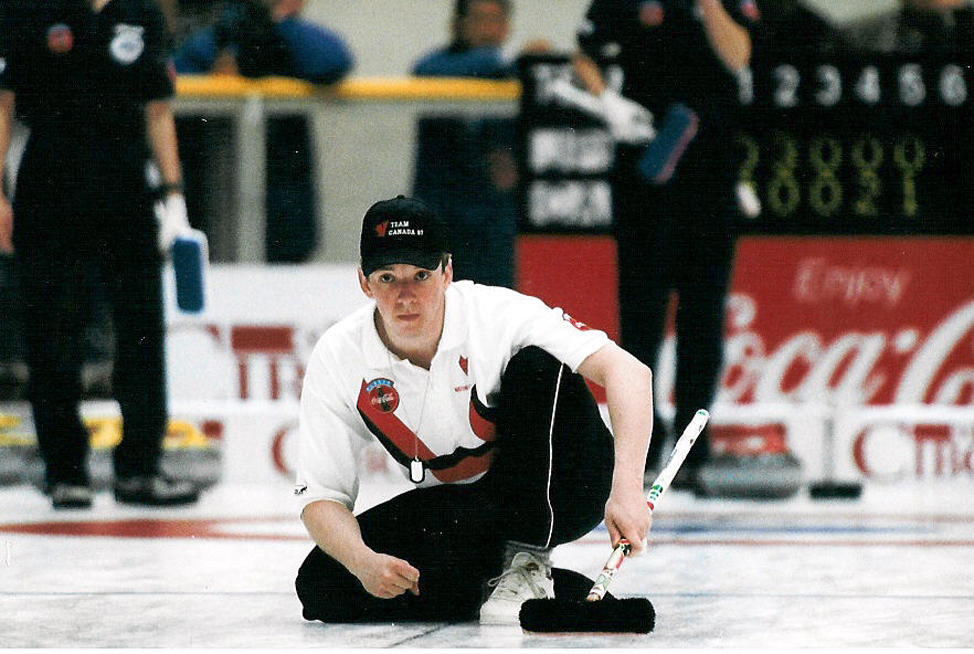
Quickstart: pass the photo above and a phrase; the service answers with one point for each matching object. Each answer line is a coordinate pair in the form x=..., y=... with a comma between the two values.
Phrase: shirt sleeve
x=565, y=338
x=157, y=69
x=197, y=54
x=317, y=55
x=329, y=446
x=478, y=62
x=599, y=28
x=532, y=322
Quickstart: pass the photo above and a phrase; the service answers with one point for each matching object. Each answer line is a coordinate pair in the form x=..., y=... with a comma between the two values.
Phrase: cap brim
x=429, y=261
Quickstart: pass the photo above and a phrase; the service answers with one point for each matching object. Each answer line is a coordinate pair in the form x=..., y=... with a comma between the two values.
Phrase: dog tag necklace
x=417, y=469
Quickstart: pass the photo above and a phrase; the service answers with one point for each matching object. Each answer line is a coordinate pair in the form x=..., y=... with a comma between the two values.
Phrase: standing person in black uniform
x=92, y=81
x=678, y=236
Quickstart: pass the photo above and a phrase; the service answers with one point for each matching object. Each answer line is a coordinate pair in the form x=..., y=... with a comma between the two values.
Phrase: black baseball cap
x=402, y=230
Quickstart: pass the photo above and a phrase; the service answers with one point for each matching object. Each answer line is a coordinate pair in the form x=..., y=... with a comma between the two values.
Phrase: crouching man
x=478, y=394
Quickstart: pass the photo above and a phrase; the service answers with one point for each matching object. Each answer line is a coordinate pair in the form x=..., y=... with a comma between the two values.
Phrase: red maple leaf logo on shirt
x=577, y=324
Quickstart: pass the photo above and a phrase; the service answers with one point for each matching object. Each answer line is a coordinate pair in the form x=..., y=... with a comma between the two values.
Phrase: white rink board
x=296, y=303
x=239, y=365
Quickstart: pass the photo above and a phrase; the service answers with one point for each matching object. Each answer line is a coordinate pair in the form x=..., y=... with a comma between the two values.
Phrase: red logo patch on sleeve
x=577, y=324
x=652, y=14
x=60, y=39
x=751, y=10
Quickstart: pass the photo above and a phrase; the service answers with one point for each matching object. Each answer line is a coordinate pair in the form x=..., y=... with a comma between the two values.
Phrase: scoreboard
x=856, y=145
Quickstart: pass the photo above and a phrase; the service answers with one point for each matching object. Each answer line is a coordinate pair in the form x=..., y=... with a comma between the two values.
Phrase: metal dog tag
x=417, y=471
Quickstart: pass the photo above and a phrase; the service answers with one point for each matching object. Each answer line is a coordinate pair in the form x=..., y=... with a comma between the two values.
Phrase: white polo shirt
x=356, y=390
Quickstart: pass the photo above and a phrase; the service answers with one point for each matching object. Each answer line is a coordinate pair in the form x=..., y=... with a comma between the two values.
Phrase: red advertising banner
x=842, y=321
x=852, y=321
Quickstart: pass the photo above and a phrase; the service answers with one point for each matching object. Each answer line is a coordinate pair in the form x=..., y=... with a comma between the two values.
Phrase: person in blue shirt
x=256, y=38
x=466, y=169
x=266, y=37
x=480, y=29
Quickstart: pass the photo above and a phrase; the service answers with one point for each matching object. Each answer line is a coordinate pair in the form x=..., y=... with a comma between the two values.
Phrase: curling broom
x=595, y=614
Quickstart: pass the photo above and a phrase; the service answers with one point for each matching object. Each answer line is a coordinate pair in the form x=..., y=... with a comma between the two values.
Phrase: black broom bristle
x=631, y=615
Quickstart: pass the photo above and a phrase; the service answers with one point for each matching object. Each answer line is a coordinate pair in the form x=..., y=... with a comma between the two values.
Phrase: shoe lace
x=526, y=572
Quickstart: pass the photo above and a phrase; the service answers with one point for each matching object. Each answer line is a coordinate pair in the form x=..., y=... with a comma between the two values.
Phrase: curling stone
x=750, y=462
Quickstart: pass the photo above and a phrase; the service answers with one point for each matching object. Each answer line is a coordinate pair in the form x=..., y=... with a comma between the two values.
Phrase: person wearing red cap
x=478, y=395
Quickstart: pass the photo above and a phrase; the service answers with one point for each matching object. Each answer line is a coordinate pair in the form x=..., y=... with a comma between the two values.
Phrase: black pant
x=455, y=534
x=63, y=241
x=677, y=238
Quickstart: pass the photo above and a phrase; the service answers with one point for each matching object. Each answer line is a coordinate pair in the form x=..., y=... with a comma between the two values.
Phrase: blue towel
x=189, y=260
x=658, y=163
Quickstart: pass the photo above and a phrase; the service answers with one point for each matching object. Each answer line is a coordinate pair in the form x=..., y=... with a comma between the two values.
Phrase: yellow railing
x=365, y=88
x=363, y=132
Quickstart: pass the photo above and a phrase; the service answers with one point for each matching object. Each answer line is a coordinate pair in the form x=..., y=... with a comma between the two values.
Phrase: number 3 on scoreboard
x=867, y=86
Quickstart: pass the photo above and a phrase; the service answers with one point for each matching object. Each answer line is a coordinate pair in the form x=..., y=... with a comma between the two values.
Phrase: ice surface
x=892, y=569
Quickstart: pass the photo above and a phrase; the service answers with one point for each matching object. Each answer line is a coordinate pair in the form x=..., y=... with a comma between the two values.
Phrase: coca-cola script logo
x=845, y=322
x=900, y=364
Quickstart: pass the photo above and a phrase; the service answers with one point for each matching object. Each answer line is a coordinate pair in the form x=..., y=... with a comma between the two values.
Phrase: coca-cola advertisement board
x=865, y=340
x=851, y=321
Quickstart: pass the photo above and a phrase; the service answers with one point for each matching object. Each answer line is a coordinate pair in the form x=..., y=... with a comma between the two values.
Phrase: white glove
x=173, y=220
x=628, y=121
x=748, y=200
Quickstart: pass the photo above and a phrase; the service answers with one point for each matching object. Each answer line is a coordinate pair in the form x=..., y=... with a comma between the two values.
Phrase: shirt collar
x=374, y=350
x=454, y=325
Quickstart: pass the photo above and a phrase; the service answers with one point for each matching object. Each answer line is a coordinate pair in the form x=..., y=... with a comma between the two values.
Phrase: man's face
x=485, y=24
x=936, y=5
x=410, y=300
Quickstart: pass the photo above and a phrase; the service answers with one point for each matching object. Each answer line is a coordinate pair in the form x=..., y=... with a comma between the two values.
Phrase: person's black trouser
x=678, y=237
x=61, y=239
x=455, y=534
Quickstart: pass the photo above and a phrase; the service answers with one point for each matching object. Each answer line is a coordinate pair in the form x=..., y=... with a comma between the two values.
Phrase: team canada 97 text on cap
x=402, y=230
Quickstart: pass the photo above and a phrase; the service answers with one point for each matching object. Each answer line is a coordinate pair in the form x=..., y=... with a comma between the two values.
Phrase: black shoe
x=71, y=496
x=155, y=490
x=687, y=479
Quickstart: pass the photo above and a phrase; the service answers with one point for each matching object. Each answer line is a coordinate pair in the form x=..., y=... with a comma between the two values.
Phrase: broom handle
x=662, y=482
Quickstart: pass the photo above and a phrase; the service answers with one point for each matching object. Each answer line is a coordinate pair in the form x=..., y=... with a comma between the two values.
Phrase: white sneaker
x=527, y=578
